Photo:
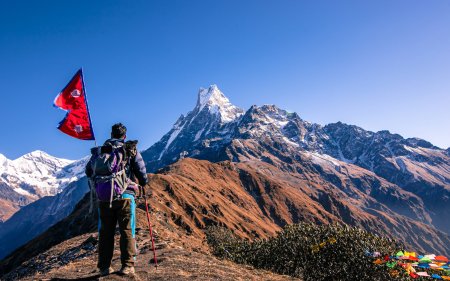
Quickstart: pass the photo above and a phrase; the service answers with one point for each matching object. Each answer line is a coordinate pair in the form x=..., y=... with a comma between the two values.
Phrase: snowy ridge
x=38, y=174
x=324, y=160
x=176, y=130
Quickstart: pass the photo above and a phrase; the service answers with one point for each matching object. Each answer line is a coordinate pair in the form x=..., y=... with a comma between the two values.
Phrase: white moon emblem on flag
x=75, y=93
x=78, y=129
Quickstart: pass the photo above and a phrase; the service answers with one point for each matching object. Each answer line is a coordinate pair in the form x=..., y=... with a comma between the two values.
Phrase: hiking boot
x=127, y=270
x=106, y=271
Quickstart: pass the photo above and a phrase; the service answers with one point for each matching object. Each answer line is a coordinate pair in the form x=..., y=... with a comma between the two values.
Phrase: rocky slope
x=34, y=176
x=413, y=164
x=181, y=209
x=254, y=199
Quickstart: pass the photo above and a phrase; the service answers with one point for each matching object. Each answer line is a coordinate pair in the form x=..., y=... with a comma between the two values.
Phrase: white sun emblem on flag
x=75, y=93
x=78, y=129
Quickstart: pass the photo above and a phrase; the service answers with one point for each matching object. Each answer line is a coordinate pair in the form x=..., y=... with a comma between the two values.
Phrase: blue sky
x=376, y=64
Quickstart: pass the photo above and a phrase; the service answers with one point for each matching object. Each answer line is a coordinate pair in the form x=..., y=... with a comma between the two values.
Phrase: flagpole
x=87, y=105
x=90, y=183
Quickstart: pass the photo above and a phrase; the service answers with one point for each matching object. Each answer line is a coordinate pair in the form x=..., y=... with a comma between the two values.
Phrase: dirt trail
x=75, y=259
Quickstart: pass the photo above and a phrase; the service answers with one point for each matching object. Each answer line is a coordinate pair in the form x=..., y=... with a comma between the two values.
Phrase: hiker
x=113, y=171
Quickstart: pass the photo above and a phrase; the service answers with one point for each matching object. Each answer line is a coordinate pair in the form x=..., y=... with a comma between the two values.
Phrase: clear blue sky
x=376, y=64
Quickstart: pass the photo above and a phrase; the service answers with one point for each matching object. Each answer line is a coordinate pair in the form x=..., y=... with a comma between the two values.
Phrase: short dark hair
x=118, y=131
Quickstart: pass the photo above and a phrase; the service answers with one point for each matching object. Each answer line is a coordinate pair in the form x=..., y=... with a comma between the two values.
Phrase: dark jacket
x=135, y=168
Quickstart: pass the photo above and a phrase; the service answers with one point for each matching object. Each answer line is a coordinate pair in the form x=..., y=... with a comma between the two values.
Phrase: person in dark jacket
x=121, y=210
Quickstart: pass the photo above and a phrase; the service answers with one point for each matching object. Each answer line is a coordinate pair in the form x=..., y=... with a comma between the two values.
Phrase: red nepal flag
x=72, y=99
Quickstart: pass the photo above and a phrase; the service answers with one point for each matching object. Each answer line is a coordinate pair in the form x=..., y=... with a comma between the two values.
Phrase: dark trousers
x=122, y=212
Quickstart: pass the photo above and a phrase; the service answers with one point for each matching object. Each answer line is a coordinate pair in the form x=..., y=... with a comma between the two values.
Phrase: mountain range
x=376, y=172
x=37, y=191
x=274, y=168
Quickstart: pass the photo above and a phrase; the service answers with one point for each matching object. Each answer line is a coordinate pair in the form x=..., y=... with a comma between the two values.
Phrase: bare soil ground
x=75, y=259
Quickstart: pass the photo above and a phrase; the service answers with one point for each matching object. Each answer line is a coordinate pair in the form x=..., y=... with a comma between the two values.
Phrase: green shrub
x=309, y=251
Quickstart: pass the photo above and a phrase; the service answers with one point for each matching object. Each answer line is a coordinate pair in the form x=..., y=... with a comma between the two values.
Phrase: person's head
x=118, y=131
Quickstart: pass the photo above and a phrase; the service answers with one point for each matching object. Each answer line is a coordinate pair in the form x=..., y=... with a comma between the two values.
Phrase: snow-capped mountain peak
x=36, y=161
x=274, y=115
x=211, y=96
x=217, y=103
x=36, y=153
x=39, y=155
x=38, y=174
x=211, y=118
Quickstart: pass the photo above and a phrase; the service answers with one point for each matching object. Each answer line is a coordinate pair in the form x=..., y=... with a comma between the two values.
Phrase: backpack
x=109, y=178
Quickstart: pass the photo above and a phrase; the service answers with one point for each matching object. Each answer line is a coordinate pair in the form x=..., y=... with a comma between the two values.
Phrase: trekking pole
x=151, y=231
